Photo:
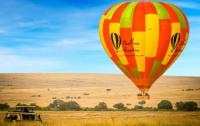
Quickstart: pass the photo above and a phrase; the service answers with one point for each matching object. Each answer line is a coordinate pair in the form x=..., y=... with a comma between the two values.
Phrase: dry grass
x=15, y=88
x=41, y=88
x=113, y=119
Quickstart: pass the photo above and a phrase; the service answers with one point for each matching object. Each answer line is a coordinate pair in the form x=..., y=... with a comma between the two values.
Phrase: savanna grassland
x=116, y=118
x=90, y=89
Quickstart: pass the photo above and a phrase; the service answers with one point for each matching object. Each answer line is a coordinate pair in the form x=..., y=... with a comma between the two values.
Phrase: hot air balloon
x=143, y=39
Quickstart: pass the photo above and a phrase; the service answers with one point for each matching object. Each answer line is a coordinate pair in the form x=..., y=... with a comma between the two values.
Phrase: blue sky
x=62, y=36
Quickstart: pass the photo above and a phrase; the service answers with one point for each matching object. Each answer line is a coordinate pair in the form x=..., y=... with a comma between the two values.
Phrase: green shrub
x=55, y=104
x=179, y=105
x=37, y=107
x=138, y=107
x=190, y=106
x=119, y=106
x=71, y=105
x=101, y=106
x=21, y=104
x=186, y=106
x=4, y=106
x=165, y=104
x=142, y=102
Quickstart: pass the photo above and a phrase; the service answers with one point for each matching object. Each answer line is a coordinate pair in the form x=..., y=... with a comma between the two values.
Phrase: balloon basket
x=143, y=97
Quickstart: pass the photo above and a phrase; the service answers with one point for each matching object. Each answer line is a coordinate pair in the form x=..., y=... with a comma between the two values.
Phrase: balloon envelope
x=144, y=39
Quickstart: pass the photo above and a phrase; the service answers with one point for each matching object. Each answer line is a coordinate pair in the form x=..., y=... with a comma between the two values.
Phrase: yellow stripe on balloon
x=102, y=37
x=139, y=47
x=151, y=34
x=170, y=51
x=115, y=28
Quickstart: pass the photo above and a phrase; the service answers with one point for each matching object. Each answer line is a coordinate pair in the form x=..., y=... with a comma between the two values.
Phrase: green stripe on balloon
x=126, y=18
x=112, y=10
x=179, y=14
x=156, y=65
x=123, y=68
x=161, y=10
x=136, y=73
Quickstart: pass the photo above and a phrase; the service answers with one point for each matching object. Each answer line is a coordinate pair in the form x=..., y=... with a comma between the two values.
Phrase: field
x=90, y=89
x=113, y=119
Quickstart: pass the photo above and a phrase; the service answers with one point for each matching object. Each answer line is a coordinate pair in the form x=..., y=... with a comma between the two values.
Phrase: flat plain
x=90, y=89
x=116, y=118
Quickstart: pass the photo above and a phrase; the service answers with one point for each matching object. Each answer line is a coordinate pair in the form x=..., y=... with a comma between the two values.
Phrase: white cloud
x=77, y=44
x=3, y=31
x=31, y=23
x=12, y=62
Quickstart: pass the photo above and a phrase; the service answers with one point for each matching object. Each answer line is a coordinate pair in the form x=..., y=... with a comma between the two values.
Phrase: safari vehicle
x=22, y=113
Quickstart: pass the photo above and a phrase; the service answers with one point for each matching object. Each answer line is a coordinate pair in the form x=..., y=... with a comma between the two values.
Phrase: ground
x=140, y=118
x=90, y=89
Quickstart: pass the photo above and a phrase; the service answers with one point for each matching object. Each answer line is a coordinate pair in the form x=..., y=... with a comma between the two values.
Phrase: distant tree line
x=60, y=105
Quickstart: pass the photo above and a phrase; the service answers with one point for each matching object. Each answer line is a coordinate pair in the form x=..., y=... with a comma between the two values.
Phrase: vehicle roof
x=25, y=106
x=28, y=113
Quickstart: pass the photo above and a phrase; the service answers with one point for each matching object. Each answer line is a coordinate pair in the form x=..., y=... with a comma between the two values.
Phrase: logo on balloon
x=116, y=41
x=175, y=40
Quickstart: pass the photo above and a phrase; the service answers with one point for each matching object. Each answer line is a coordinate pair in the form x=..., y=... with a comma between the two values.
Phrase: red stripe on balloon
x=107, y=39
x=139, y=18
x=148, y=66
x=149, y=8
x=126, y=35
x=164, y=38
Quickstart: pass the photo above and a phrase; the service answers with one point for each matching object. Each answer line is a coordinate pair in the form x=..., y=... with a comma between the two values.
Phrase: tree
x=119, y=106
x=141, y=103
x=21, y=104
x=101, y=106
x=187, y=106
x=190, y=106
x=57, y=103
x=180, y=105
x=4, y=106
x=136, y=107
x=71, y=105
x=37, y=107
x=165, y=104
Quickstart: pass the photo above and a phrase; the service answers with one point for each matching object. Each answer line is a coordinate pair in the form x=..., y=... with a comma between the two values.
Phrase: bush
x=4, y=106
x=190, y=106
x=21, y=104
x=137, y=107
x=119, y=106
x=101, y=106
x=142, y=102
x=165, y=104
x=179, y=105
x=57, y=103
x=71, y=105
x=37, y=107
x=187, y=106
